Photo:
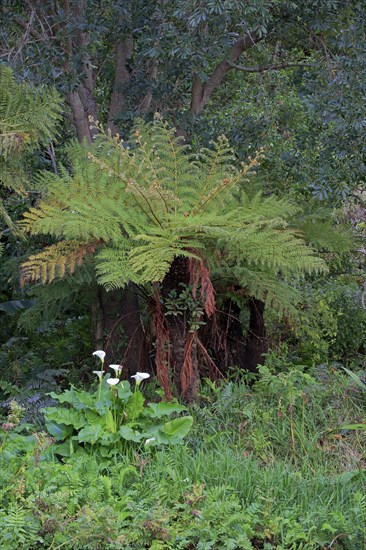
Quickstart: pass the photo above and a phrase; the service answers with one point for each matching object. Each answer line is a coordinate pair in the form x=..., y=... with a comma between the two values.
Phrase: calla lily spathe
x=150, y=440
x=100, y=353
x=99, y=373
x=112, y=381
x=116, y=368
x=140, y=376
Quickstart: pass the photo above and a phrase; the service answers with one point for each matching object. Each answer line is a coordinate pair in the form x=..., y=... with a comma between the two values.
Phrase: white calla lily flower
x=112, y=381
x=116, y=368
x=99, y=373
x=149, y=440
x=140, y=376
x=100, y=353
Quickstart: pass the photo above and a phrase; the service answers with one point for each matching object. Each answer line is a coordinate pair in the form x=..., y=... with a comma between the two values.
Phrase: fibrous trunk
x=183, y=361
x=230, y=344
x=119, y=330
x=256, y=340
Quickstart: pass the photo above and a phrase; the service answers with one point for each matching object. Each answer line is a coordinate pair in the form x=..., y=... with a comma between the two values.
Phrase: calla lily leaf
x=103, y=404
x=135, y=405
x=106, y=451
x=63, y=449
x=90, y=434
x=124, y=390
x=178, y=428
x=93, y=417
x=78, y=399
x=109, y=438
x=129, y=434
x=59, y=431
x=109, y=422
x=156, y=410
x=70, y=417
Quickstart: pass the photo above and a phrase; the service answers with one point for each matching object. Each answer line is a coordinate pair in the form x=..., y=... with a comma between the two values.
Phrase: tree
x=114, y=60
x=151, y=213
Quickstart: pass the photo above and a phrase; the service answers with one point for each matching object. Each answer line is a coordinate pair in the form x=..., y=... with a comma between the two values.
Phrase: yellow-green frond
x=55, y=261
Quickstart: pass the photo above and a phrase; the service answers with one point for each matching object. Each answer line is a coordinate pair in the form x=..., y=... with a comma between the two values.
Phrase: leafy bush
x=113, y=419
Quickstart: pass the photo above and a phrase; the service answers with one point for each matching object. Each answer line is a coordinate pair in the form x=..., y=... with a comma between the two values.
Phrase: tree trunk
x=122, y=76
x=183, y=348
x=124, y=338
x=256, y=341
x=226, y=338
x=201, y=94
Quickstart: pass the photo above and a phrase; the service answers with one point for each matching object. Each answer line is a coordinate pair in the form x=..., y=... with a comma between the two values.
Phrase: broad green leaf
x=135, y=405
x=129, y=434
x=78, y=399
x=105, y=452
x=109, y=438
x=104, y=404
x=63, y=449
x=156, y=410
x=59, y=431
x=94, y=418
x=124, y=390
x=178, y=428
x=90, y=434
x=59, y=415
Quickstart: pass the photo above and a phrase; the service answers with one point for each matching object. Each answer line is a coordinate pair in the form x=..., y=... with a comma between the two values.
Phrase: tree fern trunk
x=183, y=349
x=256, y=341
x=227, y=341
x=124, y=340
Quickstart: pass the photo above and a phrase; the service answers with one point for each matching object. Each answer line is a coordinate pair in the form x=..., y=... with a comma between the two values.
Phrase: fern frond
x=28, y=119
x=113, y=268
x=56, y=260
x=152, y=261
x=28, y=115
x=324, y=236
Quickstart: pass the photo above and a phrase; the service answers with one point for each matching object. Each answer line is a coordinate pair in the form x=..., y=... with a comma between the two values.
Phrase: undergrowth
x=267, y=466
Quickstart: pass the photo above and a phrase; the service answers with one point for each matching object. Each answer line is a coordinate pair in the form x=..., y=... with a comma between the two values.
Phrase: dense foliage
x=267, y=466
x=182, y=185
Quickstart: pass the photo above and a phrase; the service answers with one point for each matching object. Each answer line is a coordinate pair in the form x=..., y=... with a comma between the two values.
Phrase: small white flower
x=140, y=376
x=99, y=373
x=149, y=440
x=116, y=368
x=100, y=353
x=112, y=381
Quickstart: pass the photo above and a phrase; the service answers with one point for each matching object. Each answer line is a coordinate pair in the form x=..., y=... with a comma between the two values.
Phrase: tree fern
x=28, y=115
x=28, y=118
x=137, y=206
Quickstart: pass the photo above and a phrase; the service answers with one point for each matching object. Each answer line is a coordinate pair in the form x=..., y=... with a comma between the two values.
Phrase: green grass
x=266, y=466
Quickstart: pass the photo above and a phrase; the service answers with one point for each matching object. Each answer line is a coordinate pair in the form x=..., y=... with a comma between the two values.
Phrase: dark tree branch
x=150, y=78
x=23, y=24
x=80, y=117
x=196, y=95
x=265, y=68
x=200, y=94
